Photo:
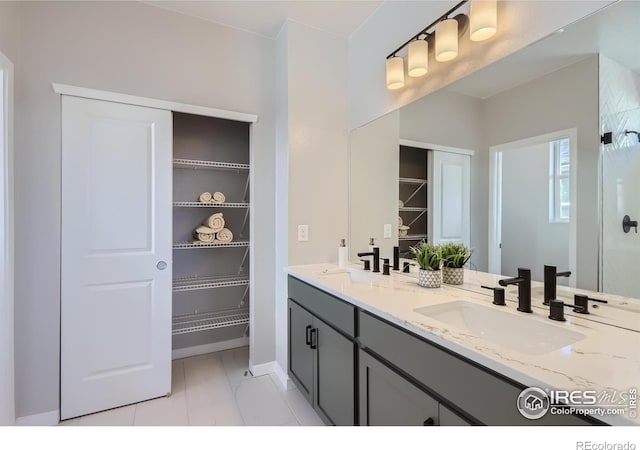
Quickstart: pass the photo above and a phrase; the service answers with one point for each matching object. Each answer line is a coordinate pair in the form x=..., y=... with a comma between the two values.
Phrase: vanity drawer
x=332, y=310
x=485, y=396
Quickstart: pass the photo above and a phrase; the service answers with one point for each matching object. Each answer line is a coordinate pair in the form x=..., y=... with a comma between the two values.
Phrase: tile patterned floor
x=214, y=389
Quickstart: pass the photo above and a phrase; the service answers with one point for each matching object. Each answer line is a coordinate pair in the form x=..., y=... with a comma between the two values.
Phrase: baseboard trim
x=283, y=378
x=261, y=369
x=42, y=419
x=196, y=350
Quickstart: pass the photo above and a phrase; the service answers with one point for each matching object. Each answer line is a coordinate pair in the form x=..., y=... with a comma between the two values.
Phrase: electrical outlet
x=387, y=231
x=303, y=233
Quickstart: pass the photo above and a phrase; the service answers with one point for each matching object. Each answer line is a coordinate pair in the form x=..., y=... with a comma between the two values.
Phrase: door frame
x=495, y=195
x=7, y=339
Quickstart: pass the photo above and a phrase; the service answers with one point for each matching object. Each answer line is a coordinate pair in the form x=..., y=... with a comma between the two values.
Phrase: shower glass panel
x=621, y=198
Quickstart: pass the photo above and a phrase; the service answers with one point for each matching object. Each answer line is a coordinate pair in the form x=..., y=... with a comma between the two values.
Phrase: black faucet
x=524, y=288
x=550, y=282
x=376, y=258
x=396, y=258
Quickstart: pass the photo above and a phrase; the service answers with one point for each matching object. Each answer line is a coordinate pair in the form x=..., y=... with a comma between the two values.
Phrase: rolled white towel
x=218, y=197
x=400, y=204
x=205, y=197
x=204, y=237
x=400, y=223
x=224, y=235
x=205, y=230
x=215, y=222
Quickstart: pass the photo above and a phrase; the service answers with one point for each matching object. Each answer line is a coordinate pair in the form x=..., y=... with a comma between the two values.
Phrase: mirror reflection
x=531, y=161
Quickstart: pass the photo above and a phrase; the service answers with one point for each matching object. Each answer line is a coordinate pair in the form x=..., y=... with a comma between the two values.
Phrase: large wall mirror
x=555, y=165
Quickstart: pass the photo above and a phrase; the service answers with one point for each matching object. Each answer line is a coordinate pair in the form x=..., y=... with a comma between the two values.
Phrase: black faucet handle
x=406, y=266
x=385, y=266
x=582, y=303
x=367, y=264
x=498, y=295
x=556, y=310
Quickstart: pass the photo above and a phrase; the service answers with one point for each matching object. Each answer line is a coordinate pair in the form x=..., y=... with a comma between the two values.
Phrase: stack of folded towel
x=217, y=197
x=213, y=230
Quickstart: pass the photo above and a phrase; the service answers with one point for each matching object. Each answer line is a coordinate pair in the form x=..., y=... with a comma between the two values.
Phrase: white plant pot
x=430, y=278
x=453, y=275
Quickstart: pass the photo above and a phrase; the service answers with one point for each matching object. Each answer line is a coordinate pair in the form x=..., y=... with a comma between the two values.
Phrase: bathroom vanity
x=368, y=349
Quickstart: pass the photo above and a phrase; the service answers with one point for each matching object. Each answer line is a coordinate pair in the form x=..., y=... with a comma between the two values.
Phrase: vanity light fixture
x=443, y=33
x=395, y=73
x=483, y=19
x=446, y=40
x=418, y=58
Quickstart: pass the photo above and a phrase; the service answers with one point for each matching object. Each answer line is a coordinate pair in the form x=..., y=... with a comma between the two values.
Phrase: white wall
x=282, y=200
x=9, y=19
x=374, y=157
x=528, y=239
x=454, y=120
x=316, y=143
x=567, y=98
x=520, y=23
x=132, y=48
x=620, y=111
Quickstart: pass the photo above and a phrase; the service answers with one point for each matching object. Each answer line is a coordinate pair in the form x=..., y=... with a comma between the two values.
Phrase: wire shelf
x=188, y=244
x=411, y=208
x=198, y=164
x=191, y=323
x=209, y=205
x=412, y=237
x=412, y=180
x=196, y=283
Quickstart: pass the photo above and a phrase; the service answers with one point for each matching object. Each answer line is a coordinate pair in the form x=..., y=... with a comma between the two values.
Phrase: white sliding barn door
x=116, y=255
x=451, y=208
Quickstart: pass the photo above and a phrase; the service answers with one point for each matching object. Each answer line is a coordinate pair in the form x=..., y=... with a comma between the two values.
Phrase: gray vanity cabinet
x=322, y=352
x=300, y=352
x=386, y=398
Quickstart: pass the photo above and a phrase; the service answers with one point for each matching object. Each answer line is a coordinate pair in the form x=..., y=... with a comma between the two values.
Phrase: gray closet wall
x=214, y=306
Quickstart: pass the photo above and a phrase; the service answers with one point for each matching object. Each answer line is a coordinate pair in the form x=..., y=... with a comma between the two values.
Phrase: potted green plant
x=429, y=258
x=454, y=256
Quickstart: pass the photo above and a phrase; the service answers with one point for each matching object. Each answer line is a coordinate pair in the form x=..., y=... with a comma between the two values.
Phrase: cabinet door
x=451, y=198
x=335, y=375
x=386, y=398
x=300, y=351
x=115, y=321
x=449, y=418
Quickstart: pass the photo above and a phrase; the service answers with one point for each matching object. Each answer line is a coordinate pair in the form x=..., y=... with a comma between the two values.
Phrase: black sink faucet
x=550, y=282
x=376, y=258
x=524, y=288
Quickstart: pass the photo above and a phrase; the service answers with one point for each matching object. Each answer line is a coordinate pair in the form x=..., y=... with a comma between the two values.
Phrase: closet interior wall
x=211, y=281
x=413, y=190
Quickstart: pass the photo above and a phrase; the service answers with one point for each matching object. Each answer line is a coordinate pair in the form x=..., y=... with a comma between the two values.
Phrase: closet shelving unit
x=211, y=279
x=413, y=186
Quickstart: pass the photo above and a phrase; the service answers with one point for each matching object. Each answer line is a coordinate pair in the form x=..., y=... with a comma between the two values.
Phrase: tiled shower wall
x=619, y=112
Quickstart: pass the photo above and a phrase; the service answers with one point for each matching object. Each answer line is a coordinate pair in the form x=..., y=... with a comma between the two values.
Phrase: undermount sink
x=519, y=333
x=357, y=276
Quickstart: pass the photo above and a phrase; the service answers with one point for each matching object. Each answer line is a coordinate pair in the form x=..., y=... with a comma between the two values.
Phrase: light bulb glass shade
x=446, y=40
x=395, y=73
x=418, y=61
x=483, y=19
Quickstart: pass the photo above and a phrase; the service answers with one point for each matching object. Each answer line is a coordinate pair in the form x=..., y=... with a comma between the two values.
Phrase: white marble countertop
x=606, y=359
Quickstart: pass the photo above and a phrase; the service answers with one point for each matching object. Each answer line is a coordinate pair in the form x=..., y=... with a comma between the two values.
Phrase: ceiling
x=614, y=32
x=267, y=17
